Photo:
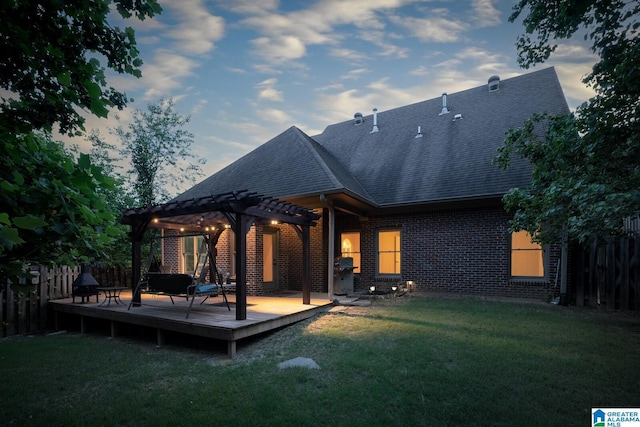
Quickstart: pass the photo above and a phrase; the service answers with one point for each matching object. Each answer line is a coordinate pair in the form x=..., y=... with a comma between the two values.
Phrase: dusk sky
x=246, y=70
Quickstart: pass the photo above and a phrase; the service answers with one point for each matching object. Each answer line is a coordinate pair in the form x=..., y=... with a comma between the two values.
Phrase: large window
x=527, y=257
x=350, y=247
x=193, y=251
x=389, y=252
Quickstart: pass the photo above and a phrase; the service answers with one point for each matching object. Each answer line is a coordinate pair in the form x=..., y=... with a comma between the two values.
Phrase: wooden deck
x=211, y=319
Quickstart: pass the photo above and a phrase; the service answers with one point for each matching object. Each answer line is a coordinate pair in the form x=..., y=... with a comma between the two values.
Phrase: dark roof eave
x=445, y=200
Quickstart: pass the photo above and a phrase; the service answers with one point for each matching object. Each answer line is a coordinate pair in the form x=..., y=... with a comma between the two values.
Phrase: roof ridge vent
x=494, y=83
x=419, y=134
x=445, y=110
x=358, y=119
x=375, y=121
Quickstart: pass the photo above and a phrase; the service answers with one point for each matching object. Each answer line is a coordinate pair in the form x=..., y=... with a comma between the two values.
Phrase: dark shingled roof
x=452, y=161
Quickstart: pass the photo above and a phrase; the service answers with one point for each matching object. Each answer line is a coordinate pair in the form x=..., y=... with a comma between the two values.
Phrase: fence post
x=624, y=273
x=611, y=276
x=579, y=276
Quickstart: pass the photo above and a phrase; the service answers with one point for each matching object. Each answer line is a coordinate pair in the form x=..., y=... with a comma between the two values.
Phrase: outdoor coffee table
x=112, y=293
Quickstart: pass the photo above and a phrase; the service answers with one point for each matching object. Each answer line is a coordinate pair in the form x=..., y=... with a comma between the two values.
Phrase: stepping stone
x=299, y=362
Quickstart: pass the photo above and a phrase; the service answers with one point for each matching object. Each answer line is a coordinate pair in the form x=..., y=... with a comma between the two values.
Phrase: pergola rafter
x=237, y=210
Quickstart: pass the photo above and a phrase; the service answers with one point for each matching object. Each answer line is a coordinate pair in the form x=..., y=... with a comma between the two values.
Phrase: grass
x=417, y=361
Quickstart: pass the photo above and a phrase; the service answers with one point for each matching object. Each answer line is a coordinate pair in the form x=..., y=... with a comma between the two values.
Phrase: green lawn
x=407, y=362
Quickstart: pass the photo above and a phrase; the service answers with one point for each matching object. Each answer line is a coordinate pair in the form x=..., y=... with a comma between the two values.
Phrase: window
x=350, y=247
x=527, y=257
x=389, y=252
x=192, y=248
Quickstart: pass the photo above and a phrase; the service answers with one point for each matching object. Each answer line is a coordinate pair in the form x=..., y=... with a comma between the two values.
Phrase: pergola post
x=306, y=265
x=240, y=229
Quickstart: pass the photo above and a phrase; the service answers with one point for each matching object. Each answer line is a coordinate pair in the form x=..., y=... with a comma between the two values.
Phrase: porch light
x=155, y=220
x=372, y=289
x=274, y=222
x=181, y=229
x=394, y=288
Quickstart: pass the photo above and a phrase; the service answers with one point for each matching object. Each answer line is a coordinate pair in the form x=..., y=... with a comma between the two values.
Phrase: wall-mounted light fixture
x=410, y=285
x=372, y=289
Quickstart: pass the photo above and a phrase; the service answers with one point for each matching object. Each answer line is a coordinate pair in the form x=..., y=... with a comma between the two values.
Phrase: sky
x=246, y=70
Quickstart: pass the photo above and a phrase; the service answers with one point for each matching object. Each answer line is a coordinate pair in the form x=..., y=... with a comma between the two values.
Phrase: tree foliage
x=158, y=149
x=116, y=197
x=50, y=62
x=53, y=209
x=586, y=176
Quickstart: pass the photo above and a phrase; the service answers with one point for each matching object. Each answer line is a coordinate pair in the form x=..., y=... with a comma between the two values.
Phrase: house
x=411, y=194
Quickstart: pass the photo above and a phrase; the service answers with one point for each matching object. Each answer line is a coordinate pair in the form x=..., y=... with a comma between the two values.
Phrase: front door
x=269, y=261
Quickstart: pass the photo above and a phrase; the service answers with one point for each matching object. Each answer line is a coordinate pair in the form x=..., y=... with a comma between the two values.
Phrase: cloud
x=355, y=74
x=437, y=28
x=383, y=47
x=279, y=49
x=485, y=14
x=165, y=73
x=268, y=92
x=419, y=71
x=251, y=7
x=348, y=54
x=197, y=30
x=285, y=36
x=275, y=116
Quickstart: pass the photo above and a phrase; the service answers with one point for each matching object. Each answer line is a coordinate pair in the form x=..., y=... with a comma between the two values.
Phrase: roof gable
x=451, y=161
x=290, y=164
x=453, y=158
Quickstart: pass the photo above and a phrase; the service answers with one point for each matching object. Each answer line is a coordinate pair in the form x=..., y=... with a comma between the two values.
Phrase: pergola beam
x=240, y=209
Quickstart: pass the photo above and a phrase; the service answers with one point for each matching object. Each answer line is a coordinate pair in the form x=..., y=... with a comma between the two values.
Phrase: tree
x=116, y=197
x=52, y=206
x=159, y=151
x=50, y=60
x=586, y=167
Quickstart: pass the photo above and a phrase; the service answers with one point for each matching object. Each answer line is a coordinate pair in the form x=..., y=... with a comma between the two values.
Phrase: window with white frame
x=193, y=249
x=527, y=257
x=388, y=252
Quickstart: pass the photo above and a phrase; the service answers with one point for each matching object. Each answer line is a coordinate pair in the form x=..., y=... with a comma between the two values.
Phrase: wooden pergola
x=238, y=210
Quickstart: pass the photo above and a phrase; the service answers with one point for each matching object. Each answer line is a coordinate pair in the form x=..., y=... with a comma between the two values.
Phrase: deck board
x=210, y=319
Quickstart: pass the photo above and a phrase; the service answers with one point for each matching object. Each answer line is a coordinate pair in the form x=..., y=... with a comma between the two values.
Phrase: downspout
x=330, y=252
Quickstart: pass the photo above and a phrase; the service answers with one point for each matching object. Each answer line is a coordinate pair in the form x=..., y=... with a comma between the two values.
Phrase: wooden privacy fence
x=608, y=274
x=23, y=307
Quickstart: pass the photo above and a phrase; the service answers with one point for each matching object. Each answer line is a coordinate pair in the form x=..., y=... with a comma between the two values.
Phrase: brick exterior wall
x=171, y=251
x=465, y=251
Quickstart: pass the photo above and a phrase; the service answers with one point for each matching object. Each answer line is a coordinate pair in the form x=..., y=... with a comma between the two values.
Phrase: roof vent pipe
x=445, y=110
x=358, y=119
x=494, y=83
x=375, y=121
x=419, y=135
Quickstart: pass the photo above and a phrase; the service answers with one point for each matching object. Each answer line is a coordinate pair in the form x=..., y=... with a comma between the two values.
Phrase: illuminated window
x=350, y=247
x=193, y=253
x=389, y=252
x=527, y=257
